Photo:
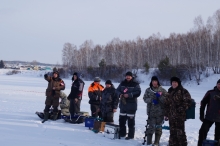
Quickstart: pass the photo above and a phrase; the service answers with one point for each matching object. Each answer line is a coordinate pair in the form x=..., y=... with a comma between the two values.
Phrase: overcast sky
x=37, y=30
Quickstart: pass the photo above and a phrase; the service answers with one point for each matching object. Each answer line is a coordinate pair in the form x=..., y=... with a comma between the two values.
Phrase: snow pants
x=123, y=118
x=74, y=106
x=108, y=117
x=177, y=132
x=94, y=112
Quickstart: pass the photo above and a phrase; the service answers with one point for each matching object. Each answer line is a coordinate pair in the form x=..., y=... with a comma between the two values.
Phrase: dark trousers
x=131, y=125
x=47, y=108
x=108, y=117
x=51, y=101
x=177, y=132
x=74, y=107
x=94, y=112
x=205, y=129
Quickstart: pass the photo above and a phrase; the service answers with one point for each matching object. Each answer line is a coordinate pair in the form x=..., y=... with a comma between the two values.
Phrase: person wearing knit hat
x=129, y=74
x=128, y=91
x=109, y=82
x=154, y=97
x=154, y=78
x=95, y=96
x=97, y=79
x=210, y=102
x=176, y=104
x=218, y=81
x=109, y=102
x=75, y=95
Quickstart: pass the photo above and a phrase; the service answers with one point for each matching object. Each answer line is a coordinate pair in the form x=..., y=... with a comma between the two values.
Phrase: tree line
x=193, y=51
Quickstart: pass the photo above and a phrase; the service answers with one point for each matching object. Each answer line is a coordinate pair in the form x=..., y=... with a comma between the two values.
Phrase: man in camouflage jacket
x=55, y=84
x=155, y=97
x=176, y=105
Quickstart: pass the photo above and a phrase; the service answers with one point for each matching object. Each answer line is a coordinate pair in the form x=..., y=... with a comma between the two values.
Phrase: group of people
x=161, y=105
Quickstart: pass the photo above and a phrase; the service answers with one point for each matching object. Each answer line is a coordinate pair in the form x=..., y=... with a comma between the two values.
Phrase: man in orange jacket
x=95, y=92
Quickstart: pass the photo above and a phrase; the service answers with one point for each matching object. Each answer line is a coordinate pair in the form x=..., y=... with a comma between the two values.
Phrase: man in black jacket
x=212, y=100
x=128, y=92
x=109, y=102
x=75, y=95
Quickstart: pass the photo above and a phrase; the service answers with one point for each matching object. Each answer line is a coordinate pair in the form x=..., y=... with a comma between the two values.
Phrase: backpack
x=190, y=112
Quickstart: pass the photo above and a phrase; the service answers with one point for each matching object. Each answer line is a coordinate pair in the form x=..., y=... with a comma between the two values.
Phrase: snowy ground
x=23, y=94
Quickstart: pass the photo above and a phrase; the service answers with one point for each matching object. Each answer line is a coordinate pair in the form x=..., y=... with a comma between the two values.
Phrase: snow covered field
x=23, y=94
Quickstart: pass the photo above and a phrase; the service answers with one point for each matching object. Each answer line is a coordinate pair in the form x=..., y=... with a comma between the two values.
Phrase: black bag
x=190, y=112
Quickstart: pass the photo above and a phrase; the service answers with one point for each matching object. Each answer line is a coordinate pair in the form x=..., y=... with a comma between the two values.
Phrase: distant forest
x=34, y=62
x=187, y=55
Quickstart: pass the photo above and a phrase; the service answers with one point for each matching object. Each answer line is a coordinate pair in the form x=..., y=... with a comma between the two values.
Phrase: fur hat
x=97, y=79
x=129, y=74
x=56, y=72
x=154, y=78
x=176, y=79
x=218, y=81
x=76, y=74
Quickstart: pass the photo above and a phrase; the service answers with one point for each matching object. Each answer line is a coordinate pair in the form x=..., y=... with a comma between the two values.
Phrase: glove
x=45, y=76
x=157, y=94
x=123, y=100
x=155, y=102
x=166, y=118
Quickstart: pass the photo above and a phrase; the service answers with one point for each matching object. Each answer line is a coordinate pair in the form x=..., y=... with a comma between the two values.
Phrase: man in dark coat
x=212, y=101
x=75, y=95
x=128, y=91
x=109, y=102
x=176, y=104
x=55, y=84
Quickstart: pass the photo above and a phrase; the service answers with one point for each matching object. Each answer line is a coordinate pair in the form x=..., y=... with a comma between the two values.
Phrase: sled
x=41, y=115
x=111, y=131
x=86, y=114
x=210, y=143
x=76, y=119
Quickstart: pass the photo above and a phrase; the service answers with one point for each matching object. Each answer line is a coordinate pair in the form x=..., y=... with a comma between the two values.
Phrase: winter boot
x=128, y=138
x=149, y=139
x=46, y=115
x=55, y=115
x=157, y=139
